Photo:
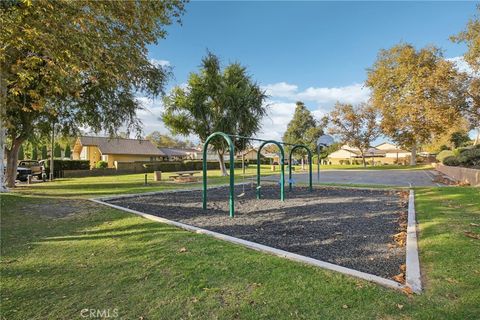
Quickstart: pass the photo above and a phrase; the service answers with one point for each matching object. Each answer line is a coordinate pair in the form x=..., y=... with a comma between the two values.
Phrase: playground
x=353, y=228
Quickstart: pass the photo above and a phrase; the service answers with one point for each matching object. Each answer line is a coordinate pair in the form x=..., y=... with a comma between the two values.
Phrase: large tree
x=70, y=64
x=163, y=140
x=213, y=100
x=471, y=36
x=355, y=125
x=418, y=93
x=302, y=129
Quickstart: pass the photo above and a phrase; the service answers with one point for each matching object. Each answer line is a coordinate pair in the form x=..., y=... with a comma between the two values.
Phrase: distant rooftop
x=121, y=146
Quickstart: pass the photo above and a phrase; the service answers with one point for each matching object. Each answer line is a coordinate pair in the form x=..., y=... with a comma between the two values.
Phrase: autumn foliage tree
x=354, y=125
x=418, y=93
x=77, y=63
x=471, y=37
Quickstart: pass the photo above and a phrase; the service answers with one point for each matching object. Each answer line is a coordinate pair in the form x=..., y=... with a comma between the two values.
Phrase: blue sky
x=317, y=52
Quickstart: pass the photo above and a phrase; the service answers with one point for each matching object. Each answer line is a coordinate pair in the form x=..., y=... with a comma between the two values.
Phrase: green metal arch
x=298, y=146
x=232, y=170
x=282, y=168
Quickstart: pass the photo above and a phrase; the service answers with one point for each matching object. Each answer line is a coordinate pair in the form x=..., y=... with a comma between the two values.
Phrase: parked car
x=35, y=167
x=22, y=173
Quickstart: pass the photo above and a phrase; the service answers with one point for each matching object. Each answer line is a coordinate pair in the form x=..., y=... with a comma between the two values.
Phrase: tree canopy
x=471, y=37
x=303, y=129
x=418, y=94
x=355, y=125
x=216, y=99
x=162, y=140
x=78, y=63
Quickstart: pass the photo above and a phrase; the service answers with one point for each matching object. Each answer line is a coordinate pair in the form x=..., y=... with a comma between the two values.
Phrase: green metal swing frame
x=231, y=146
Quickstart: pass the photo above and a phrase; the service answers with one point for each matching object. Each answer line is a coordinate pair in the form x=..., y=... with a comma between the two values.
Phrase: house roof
x=172, y=152
x=122, y=146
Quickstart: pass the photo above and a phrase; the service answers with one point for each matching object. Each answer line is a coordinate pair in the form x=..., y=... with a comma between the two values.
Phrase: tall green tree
x=418, y=93
x=34, y=152
x=471, y=37
x=302, y=129
x=216, y=99
x=77, y=63
x=68, y=151
x=57, y=151
x=355, y=125
x=44, y=152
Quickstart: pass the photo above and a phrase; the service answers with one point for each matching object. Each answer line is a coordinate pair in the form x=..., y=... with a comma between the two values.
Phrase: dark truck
x=32, y=167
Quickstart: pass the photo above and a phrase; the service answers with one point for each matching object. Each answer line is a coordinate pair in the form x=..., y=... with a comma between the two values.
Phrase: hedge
x=444, y=154
x=60, y=165
x=188, y=165
x=466, y=157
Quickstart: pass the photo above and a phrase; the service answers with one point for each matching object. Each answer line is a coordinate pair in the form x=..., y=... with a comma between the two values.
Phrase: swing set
x=231, y=146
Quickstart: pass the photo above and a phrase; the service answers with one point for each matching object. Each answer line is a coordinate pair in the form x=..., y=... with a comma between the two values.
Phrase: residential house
x=113, y=150
x=384, y=153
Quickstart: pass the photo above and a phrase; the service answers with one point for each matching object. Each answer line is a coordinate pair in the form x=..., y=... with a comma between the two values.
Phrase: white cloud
x=354, y=93
x=281, y=90
x=461, y=64
x=275, y=124
x=151, y=115
x=157, y=62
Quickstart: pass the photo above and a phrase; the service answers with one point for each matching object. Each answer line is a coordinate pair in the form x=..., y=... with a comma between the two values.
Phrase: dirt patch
x=57, y=208
x=349, y=227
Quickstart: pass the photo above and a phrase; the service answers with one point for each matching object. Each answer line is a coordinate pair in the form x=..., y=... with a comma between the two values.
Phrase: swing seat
x=259, y=187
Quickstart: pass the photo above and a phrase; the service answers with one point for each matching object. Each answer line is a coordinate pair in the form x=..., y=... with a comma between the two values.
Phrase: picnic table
x=184, y=176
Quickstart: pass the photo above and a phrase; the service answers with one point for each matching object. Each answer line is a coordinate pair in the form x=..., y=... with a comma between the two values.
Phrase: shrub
x=60, y=165
x=451, y=161
x=443, y=154
x=469, y=157
x=101, y=164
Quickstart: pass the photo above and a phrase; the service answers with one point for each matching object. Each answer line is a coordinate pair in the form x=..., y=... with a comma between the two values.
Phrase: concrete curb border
x=412, y=262
x=413, y=278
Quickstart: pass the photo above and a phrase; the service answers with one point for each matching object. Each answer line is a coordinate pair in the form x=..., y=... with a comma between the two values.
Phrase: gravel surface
x=348, y=227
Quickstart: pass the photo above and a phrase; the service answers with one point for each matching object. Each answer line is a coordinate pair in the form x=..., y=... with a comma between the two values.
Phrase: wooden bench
x=184, y=176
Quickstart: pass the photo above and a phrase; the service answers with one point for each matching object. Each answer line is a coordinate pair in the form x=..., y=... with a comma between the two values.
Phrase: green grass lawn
x=61, y=254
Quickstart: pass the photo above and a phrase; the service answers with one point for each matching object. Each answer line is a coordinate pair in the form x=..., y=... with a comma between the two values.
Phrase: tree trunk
x=2, y=156
x=12, y=161
x=303, y=164
x=363, y=160
x=413, y=157
x=221, y=161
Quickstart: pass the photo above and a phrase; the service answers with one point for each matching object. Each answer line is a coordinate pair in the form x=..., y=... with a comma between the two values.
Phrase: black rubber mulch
x=349, y=227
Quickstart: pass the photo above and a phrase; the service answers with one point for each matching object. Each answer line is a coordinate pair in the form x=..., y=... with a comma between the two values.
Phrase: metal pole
x=310, y=170
x=232, y=171
x=51, y=154
x=258, y=172
x=282, y=168
x=318, y=164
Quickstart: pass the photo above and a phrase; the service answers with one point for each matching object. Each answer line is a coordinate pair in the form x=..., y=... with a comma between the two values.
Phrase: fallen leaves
x=182, y=249
x=472, y=235
x=399, y=277
x=399, y=306
x=407, y=290
x=400, y=238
